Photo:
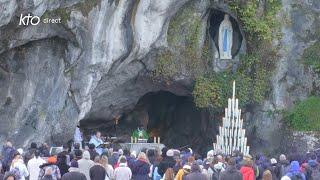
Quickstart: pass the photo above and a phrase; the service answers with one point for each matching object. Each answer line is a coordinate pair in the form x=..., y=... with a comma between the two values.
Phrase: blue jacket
x=140, y=170
x=295, y=170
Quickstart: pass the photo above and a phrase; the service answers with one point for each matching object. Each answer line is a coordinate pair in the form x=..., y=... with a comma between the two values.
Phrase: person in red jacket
x=247, y=168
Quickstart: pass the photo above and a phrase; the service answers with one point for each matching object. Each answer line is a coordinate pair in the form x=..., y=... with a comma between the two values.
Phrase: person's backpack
x=16, y=172
x=216, y=174
x=155, y=174
x=296, y=177
x=315, y=173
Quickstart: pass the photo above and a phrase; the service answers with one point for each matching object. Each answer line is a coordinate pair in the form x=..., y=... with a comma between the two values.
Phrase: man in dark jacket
x=167, y=162
x=195, y=173
x=7, y=153
x=97, y=172
x=284, y=165
x=92, y=151
x=74, y=173
x=30, y=153
x=231, y=173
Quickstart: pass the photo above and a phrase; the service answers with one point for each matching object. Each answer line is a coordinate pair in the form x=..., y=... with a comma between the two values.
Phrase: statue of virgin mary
x=225, y=38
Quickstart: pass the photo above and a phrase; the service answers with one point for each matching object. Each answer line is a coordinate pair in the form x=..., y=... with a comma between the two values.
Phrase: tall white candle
x=237, y=106
x=233, y=89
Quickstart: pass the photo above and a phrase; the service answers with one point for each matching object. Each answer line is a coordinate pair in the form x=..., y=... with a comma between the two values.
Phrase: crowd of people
x=37, y=163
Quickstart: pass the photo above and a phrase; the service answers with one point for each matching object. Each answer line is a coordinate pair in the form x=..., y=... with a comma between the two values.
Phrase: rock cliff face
x=94, y=65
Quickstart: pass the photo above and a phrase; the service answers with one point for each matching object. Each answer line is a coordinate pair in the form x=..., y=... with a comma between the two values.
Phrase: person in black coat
x=141, y=167
x=97, y=172
x=167, y=162
x=62, y=163
x=92, y=151
x=231, y=173
x=74, y=173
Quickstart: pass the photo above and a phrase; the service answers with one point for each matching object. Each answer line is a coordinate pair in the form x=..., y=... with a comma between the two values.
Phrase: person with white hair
x=18, y=164
x=85, y=164
x=284, y=165
x=123, y=172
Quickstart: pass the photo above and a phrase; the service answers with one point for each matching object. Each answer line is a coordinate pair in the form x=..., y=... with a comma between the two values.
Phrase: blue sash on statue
x=225, y=40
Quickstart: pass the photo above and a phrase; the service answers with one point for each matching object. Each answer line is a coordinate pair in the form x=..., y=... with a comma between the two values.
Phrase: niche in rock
x=216, y=18
x=173, y=118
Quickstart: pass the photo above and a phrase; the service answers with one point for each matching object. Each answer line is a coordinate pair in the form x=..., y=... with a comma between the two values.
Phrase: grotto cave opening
x=175, y=119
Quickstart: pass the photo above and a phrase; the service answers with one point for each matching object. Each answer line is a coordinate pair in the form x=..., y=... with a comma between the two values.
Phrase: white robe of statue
x=225, y=38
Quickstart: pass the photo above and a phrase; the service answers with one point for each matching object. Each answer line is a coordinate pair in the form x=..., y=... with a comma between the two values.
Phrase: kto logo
x=29, y=19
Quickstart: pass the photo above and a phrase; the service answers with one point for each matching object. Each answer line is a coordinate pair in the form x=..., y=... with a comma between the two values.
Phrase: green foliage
x=166, y=67
x=215, y=88
x=259, y=23
x=184, y=28
x=311, y=56
x=305, y=115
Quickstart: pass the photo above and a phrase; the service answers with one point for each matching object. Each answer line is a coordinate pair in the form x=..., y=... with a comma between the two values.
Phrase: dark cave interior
x=175, y=119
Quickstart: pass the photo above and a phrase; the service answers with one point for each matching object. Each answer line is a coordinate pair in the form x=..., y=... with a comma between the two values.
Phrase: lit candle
x=154, y=139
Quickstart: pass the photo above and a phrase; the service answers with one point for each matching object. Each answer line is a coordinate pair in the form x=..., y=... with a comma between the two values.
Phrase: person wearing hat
x=275, y=169
x=74, y=173
x=50, y=168
x=231, y=172
x=30, y=152
x=34, y=164
x=167, y=162
x=183, y=172
x=195, y=173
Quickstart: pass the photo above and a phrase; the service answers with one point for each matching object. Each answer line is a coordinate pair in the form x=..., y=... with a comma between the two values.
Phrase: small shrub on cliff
x=305, y=115
x=311, y=56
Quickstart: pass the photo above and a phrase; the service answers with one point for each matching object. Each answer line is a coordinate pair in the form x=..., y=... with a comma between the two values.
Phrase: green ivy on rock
x=215, y=88
x=311, y=56
x=305, y=115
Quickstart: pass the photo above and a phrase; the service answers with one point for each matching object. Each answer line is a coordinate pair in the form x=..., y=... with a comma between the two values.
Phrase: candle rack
x=231, y=134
